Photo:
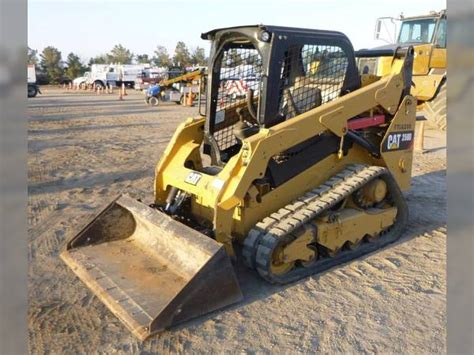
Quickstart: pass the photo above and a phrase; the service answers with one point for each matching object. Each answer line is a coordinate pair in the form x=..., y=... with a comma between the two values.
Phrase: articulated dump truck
x=305, y=172
x=427, y=34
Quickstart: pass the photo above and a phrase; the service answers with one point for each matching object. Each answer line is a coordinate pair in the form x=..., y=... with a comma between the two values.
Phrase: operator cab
x=423, y=30
x=262, y=75
x=416, y=30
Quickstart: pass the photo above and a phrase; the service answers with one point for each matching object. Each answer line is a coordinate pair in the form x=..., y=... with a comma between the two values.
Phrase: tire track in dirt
x=395, y=297
x=82, y=311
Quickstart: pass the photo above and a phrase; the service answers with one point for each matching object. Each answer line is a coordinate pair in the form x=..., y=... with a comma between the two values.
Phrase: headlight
x=265, y=36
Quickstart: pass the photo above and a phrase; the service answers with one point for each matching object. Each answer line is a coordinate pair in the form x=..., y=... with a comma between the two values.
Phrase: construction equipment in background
x=189, y=84
x=153, y=95
x=427, y=34
x=154, y=75
x=304, y=173
x=178, y=88
x=33, y=88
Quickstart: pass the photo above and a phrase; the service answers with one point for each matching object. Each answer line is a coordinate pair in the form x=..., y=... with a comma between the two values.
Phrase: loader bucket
x=151, y=271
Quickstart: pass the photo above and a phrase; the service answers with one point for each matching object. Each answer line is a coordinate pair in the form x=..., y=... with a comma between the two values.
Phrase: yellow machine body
x=429, y=65
x=228, y=200
x=161, y=264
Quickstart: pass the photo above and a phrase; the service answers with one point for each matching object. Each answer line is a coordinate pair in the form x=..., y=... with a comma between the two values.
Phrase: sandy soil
x=84, y=149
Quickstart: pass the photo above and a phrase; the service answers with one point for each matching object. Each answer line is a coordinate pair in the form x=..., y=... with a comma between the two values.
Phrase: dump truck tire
x=435, y=110
x=32, y=91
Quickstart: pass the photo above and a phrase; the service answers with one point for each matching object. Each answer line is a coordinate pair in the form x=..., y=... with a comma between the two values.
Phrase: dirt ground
x=84, y=149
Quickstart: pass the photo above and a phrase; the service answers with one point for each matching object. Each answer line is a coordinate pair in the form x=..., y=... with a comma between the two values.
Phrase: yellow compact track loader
x=303, y=173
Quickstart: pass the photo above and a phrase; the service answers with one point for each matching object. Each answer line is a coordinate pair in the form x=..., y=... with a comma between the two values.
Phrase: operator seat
x=303, y=96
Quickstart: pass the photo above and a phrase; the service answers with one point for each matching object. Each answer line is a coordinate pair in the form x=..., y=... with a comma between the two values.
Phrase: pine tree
x=142, y=58
x=32, y=56
x=99, y=59
x=75, y=68
x=51, y=64
x=162, y=58
x=198, y=57
x=120, y=54
x=181, y=57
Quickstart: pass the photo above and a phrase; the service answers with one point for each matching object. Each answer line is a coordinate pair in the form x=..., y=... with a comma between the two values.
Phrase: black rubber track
x=265, y=237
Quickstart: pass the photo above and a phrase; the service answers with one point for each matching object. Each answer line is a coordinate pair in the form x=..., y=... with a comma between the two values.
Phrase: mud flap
x=151, y=271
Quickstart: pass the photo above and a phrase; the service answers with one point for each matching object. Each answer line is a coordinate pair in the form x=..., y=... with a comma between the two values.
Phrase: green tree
x=120, y=54
x=162, y=58
x=198, y=57
x=32, y=56
x=51, y=64
x=181, y=57
x=99, y=59
x=74, y=65
x=142, y=58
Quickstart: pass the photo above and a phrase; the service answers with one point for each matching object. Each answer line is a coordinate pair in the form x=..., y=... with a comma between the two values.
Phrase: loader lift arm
x=194, y=75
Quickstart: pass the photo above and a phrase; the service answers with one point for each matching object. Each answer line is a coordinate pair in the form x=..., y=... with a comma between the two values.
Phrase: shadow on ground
x=426, y=217
x=254, y=288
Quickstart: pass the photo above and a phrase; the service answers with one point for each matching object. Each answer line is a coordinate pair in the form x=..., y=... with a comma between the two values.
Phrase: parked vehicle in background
x=100, y=74
x=127, y=74
x=174, y=72
x=150, y=76
x=103, y=75
x=427, y=34
x=81, y=80
x=33, y=88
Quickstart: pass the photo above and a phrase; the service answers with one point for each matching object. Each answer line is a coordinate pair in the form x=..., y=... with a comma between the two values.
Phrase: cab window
x=441, y=34
x=417, y=31
x=311, y=75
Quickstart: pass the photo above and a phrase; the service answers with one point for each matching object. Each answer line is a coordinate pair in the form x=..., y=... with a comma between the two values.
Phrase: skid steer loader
x=304, y=173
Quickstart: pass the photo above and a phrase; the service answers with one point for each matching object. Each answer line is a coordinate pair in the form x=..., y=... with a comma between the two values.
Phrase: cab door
x=438, y=54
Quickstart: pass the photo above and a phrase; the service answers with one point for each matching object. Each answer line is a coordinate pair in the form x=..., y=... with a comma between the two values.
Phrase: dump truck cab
x=427, y=29
x=427, y=34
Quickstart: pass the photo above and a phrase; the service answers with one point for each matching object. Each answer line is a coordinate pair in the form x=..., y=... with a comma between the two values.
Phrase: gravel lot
x=84, y=149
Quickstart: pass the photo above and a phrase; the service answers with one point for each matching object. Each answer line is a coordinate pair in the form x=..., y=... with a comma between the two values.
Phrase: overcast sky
x=93, y=27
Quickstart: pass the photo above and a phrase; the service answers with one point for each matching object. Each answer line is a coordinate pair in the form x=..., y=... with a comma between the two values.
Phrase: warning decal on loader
x=398, y=141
